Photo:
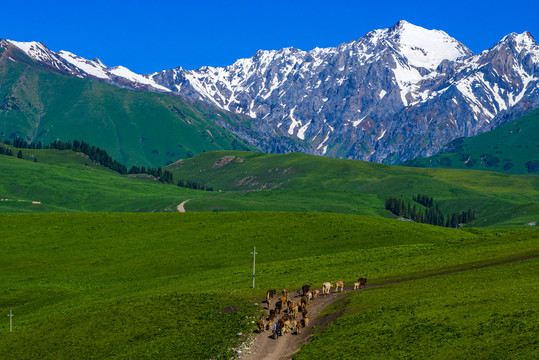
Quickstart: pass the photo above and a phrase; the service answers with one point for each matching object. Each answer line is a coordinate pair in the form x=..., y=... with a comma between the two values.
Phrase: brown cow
x=362, y=282
x=284, y=326
x=278, y=306
x=293, y=311
x=298, y=327
x=309, y=295
x=305, y=288
x=294, y=326
x=290, y=304
x=283, y=301
x=271, y=319
x=304, y=302
x=316, y=293
x=306, y=319
x=287, y=326
x=285, y=293
x=269, y=295
x=339, y=284
x=261, y=325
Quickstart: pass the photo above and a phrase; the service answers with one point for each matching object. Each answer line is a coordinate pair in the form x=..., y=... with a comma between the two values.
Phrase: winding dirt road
x=181, y=207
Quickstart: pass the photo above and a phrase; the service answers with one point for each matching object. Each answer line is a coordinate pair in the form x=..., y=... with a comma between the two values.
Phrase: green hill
x=69, y=181
x=141, y=286
x=135, y=127
x=247, y=181
x=511, y=148
x=299, y=182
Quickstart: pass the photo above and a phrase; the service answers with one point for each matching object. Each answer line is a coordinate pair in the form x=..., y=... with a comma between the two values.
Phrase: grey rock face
x=393, y=95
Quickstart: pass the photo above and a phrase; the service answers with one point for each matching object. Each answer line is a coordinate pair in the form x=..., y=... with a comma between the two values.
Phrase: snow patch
x=93, y=68
x=301, y=131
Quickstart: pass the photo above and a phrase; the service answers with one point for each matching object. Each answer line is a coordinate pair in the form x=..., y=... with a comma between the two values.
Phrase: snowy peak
x=425, y=48
x=521, y=44
x=524, y=39
x=362, y=98
x=35, y=50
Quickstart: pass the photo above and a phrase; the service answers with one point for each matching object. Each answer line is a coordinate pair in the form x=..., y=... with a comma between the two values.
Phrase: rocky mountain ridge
x=393, y=95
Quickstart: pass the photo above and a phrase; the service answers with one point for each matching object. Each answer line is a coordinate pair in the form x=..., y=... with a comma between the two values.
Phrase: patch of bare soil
x=181, y=207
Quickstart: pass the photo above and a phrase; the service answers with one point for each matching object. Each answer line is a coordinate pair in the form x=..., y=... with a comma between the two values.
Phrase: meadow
x=68, y=181
x=249, y=181
x=171, y=285
x=299, y=182
x=489, y=313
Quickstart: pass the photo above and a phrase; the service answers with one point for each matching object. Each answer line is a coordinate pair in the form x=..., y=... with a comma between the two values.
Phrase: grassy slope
x=302, y=182
x=73, y=186
x=66, y=181
x=489, y=313
x=135, y=127
x=513, y=144
x=155, y=285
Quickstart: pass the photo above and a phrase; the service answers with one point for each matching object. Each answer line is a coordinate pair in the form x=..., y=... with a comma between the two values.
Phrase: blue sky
x=149, y=36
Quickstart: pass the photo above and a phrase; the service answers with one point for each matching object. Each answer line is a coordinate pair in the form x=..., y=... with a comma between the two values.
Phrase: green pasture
x=488, y=313
x=73, y=186
x=299, y=182
x=171, y=285
x=68, y=181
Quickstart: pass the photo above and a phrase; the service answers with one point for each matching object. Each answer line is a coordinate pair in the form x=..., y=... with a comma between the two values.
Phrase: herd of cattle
x=290, y=309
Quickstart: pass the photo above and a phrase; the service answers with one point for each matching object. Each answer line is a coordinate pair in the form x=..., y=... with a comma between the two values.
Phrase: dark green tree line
x=431, y=215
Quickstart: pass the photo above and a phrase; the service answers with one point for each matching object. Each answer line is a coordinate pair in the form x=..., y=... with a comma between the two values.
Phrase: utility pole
x=10, y=321
x=254, y=260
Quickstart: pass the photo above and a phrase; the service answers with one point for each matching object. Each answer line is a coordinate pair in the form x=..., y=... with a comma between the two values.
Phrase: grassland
x=505, y=149
x=299, y=182
x=77, y=185
x=174, y=285
x=489, y=313
x=249, y=181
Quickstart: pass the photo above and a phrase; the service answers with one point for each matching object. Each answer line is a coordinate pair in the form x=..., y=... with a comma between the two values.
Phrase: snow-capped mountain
x=393, y=95
x=71, y=64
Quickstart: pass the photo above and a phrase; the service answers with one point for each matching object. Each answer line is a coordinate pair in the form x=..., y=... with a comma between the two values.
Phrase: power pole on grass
x=10, y=321
x=254, y=260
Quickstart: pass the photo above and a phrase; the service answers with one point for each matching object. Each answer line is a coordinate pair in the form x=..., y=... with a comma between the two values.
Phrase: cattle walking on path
x=265, y=348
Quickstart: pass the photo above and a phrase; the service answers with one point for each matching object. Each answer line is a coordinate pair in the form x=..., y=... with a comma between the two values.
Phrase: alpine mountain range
x=393, y=95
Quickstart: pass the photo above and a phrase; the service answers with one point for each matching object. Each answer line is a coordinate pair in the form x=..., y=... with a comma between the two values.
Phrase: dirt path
x=181, y=206
x=263, y=347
